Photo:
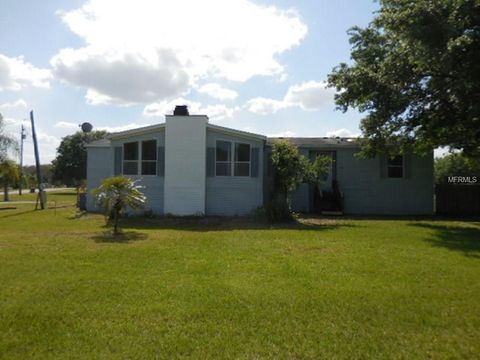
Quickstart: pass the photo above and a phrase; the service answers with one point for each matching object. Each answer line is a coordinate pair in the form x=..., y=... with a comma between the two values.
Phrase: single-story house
x=191, y=167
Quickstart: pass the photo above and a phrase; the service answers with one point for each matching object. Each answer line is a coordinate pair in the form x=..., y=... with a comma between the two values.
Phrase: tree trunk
x=116, y=215
x=5, y=192
x=115, y=222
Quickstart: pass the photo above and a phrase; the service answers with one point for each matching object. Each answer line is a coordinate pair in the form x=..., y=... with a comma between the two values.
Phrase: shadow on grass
x=17, y=213
x=8, y=208
x=78, y=215
x=457, y=238
x=430, y=218
x=210, y=223
x=123, y=238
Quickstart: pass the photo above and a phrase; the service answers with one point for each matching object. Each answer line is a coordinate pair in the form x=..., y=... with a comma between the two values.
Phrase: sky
x=258, y=66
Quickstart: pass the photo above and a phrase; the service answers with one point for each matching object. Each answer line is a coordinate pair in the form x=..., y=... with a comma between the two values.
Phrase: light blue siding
x=366, y=192
x=99, y=166
x=230, y=195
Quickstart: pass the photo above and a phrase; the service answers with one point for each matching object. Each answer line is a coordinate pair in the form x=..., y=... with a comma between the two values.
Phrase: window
x=223, y=163
x=149, y=157
x=395, y=167
x=242, y=160
x=228, y=165
x=131, y=158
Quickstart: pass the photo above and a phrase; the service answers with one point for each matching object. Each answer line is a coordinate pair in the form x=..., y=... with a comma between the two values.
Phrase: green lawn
x=60, y=196
x=349, y=288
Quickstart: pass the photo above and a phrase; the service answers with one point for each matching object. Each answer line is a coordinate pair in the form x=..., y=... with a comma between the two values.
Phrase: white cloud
x=282, y=134
x=16, y=74
x=11, y=121
x=310, y=95
x=342, y=133
x=47, y=144
x=18, y=103
x=265, y=106
x=214, y=112
x=140, y=51
x=218, y=92
x=66, y=125
x=113, y=129
x=121, y=79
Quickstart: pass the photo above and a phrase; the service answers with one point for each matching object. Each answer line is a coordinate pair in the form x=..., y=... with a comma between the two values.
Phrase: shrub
x=290, y=170
x=115, y=195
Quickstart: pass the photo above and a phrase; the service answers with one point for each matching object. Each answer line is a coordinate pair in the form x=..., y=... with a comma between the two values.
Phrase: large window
x=395, y=167
x=130, y=158
x=228, y=165
x=144, y=150
x=223, y=165
x=242, y=160
x=149, y=157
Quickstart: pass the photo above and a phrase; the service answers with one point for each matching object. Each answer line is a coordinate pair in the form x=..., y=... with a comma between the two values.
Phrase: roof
x=236, y=132
x=318, y=142
x=150, y=128
x=306, y=142
x=136, y=131
x=99, y=143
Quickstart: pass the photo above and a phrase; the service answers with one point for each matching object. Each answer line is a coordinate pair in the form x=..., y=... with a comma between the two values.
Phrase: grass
x=217, y=288
x=60, y=196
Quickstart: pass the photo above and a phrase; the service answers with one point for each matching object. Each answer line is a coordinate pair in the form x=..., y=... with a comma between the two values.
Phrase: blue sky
x=258, y=66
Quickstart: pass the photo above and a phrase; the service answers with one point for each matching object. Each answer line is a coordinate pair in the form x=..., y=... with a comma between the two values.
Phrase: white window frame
x=139, y=160
x=232, y=161
x=396, y=167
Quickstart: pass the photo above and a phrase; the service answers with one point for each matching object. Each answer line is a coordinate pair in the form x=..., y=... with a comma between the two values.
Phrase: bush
x=290, y=170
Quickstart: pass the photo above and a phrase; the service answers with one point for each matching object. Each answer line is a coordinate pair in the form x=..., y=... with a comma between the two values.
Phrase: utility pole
x=41, y=194
x=23, y=136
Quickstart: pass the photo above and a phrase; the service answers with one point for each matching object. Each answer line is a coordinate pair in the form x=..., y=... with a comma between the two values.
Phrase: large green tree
x=290, y=170
x=9, y=175
x=415, y=73
x=456, y=165
x=7, y=142
x=70, y=165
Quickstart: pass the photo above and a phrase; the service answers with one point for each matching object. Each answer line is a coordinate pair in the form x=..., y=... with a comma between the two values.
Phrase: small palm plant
x=115, y=195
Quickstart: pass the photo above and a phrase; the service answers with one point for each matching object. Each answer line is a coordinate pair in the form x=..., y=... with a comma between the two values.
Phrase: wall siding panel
x=367, y=190
x=230, y=195
x=100, y=165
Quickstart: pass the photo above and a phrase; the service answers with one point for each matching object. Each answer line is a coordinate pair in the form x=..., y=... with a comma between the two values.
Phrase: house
x=191, y=167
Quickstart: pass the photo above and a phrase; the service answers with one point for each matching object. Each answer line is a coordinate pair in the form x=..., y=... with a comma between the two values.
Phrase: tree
x=455, y=165
x=115, y=195
x=416, y=75
x=30, y=174
x=6, y=141
x=9, y=174
x=70, y=165
x=290, y=170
